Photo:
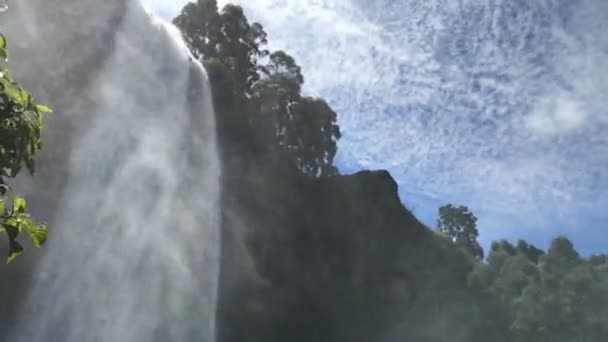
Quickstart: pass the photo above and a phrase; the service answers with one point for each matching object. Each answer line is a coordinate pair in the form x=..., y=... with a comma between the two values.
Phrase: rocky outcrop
x=327, y=259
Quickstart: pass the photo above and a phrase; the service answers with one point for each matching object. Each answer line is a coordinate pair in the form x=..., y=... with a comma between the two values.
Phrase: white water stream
x=133, y=251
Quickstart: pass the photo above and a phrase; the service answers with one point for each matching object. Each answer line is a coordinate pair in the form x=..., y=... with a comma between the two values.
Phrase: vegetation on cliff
x=257, y=93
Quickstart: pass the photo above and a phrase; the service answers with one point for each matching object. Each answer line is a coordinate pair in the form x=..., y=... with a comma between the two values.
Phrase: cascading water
x=133, y=248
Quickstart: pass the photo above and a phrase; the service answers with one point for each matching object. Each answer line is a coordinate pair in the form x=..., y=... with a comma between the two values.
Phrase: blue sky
x=495, y=104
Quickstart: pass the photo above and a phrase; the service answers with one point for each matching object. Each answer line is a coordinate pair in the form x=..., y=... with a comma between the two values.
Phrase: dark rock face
x=329, y=259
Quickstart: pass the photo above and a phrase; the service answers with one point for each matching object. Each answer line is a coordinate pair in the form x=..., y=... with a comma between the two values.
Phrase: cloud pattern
x=497, y=104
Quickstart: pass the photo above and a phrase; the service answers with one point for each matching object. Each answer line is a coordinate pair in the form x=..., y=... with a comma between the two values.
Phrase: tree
x=274, y=98
x=312, y=136
x=556, y=296
x=561, y=256
x=265, y=108
x=460, y=225
x=227, y=36
x=229, y=47
x=200, y=25
x=21, y=120
x=242, y=44
x=306, y=127
x=533, y=253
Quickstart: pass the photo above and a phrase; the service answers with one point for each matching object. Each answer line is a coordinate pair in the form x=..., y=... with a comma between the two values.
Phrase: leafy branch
x=21, y=122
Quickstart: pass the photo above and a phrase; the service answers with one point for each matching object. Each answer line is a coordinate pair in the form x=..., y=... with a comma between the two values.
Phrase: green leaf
x=19, y=204
x=36, y=233
x=12, y=231
x=44, y=109
x=2, y=41
x=15, y=249
x=15, y=94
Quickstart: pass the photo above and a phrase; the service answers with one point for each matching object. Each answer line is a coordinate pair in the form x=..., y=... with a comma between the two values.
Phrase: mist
x=135, y=246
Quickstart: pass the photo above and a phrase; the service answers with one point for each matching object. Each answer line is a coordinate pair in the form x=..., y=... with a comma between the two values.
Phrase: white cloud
x=558, y=114
x=458, y=99
x=453, y=97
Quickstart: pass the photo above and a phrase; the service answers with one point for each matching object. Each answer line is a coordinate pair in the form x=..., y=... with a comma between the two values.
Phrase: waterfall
x=133, y=250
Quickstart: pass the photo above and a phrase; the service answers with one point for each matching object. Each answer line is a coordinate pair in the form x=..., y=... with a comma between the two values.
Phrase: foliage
x=460, y=225
x=553, y=296
x=258, y=94
x=21, y=120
